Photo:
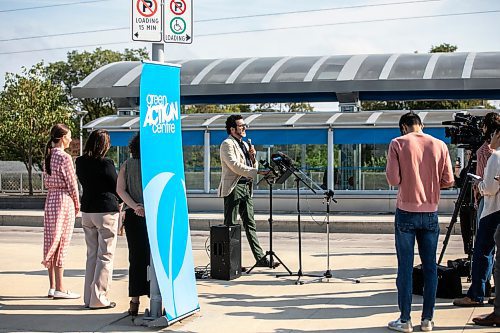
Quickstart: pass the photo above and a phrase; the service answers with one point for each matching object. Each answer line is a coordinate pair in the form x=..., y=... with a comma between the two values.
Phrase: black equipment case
x=449, y=282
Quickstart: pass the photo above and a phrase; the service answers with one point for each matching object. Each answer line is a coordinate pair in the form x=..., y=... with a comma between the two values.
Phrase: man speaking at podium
x=239, y=169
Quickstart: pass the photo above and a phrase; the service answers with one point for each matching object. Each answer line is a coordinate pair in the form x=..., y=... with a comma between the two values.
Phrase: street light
x=81, y=114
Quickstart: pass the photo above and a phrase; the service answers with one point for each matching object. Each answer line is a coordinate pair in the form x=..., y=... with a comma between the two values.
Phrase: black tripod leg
x=258, y=262
x=281, y=262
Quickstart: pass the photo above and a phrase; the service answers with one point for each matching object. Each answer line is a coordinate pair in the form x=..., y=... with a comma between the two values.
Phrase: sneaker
x=50, y=294
x=398, y=325
x=426, y=325
x=466, y=302
x=65, y=295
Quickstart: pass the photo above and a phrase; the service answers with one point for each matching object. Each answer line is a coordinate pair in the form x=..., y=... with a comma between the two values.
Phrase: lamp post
x=81, y=114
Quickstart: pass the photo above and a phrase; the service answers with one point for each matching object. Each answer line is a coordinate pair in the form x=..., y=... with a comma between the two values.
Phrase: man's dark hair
x=492, y=122
x=231, y=122
x=409, y=119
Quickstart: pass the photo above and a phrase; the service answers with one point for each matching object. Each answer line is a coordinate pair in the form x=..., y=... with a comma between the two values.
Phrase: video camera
x=465, y=130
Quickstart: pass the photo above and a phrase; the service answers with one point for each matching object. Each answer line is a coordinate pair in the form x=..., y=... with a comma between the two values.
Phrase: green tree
x=284, y=107
x=79, y=65
x=443, y=47
x=30, y=105
x=216, y=108
x=428, y=105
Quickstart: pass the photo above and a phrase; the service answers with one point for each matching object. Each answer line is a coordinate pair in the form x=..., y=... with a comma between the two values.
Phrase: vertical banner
x=164, y=188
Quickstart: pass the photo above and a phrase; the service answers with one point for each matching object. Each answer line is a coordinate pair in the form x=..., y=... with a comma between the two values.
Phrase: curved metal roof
x=314, y=78
x=269, y=120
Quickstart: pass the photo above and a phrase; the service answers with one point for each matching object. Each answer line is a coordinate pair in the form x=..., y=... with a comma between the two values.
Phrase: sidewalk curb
x=340, y=223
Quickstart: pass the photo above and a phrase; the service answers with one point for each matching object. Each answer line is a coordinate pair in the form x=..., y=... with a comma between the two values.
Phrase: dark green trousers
x=240, y=201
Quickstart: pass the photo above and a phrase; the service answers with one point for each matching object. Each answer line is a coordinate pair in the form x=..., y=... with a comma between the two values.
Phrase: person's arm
x=112, y=177
x=69, y=176
x=229, y=156
x=392, y=170
x=121, y=189
x=489, y=186
x=447, y=179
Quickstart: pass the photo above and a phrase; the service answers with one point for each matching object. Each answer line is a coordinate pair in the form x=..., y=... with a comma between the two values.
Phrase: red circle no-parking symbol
x=178, y=7
x=147, y=8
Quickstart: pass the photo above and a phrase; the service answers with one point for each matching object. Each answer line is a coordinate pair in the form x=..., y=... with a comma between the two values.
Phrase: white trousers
x=100, y=235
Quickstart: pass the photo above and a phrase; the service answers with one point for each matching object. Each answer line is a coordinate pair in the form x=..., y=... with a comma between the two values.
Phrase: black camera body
x=465, y=130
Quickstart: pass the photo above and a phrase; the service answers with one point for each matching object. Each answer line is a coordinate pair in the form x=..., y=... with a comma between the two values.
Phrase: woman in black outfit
x=129, y=188
x=100, y=210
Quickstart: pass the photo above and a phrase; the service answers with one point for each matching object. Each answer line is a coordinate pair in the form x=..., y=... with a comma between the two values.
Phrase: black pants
x=138, y=254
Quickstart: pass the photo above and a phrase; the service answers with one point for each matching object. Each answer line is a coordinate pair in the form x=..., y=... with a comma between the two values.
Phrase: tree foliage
x=216, y=108
x=79, y=65
x=443, y=47
x=30, y=105
x=284, y=107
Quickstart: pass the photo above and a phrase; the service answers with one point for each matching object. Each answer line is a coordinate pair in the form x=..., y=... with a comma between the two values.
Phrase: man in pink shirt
x=420, y=166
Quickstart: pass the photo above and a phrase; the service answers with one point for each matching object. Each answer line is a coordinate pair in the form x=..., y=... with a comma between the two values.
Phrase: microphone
x=249, y=142
x=268, y=166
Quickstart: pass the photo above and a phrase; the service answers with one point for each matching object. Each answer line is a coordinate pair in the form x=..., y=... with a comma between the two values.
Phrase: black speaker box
x=225, y=252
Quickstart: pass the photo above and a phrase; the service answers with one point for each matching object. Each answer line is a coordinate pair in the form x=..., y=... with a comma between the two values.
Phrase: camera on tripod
x=465, y=130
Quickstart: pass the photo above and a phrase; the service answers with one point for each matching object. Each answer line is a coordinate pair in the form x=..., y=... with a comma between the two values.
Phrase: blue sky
x=478, y=32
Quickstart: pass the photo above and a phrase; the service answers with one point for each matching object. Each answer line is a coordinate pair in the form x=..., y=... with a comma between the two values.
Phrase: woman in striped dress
x=61, y=206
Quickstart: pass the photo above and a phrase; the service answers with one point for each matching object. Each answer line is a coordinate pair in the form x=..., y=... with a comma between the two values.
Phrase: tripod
x=466, y=189
x=270, y=178
x=299, y=273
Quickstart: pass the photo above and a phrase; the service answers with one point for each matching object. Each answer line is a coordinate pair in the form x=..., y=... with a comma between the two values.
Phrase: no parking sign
x=178, y=23
x=146, y=20
x=167, y=20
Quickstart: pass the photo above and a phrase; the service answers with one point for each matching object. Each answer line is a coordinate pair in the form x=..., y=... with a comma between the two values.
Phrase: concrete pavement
x=258, y=302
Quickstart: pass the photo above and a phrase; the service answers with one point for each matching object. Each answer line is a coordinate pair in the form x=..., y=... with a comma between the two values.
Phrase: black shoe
x=266, y=263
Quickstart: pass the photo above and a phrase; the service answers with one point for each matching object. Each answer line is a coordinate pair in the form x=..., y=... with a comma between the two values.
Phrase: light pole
x=81, y=114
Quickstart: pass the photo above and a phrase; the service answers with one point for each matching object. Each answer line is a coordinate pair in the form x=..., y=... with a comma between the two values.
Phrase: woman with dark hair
x=100, y=210
x=61, y=207
x=129, y=188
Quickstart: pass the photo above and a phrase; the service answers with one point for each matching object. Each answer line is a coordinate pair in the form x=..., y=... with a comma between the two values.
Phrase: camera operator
x=484, y=246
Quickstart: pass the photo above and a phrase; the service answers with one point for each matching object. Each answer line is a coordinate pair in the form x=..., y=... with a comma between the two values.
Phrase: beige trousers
x=100, y=235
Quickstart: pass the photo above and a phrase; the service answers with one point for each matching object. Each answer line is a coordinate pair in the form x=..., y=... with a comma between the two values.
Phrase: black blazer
x=98, y=178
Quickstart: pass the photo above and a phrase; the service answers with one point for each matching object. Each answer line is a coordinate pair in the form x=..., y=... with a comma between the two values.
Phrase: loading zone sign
x=178, y=22
x=146, y=20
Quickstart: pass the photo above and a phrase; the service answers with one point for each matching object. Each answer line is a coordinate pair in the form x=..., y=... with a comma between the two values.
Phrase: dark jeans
x=424, y=228
x=240, y=201
x=482, y=258
x=497, y=270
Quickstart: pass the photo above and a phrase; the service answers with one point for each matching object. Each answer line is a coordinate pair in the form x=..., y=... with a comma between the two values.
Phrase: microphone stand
x=328, y=198
x=298, y=179
x=270, y=178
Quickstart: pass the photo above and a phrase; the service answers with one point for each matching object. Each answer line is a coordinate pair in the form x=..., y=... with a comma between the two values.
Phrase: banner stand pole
x=154, y=316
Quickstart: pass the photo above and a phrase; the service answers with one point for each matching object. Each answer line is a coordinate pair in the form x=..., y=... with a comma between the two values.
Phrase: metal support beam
x=206, y=162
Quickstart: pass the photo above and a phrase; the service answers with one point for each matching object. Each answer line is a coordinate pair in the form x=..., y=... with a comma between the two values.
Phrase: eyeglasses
x=242, y=126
